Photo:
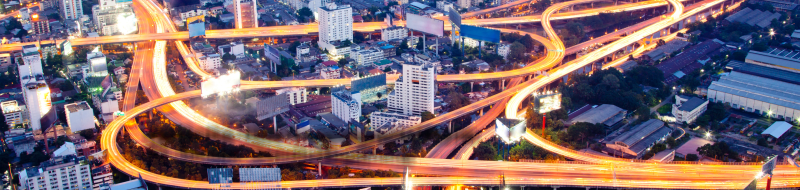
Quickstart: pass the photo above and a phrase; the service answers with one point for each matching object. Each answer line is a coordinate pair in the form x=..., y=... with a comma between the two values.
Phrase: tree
x=420, y=44
x=517, y=52
x=404, y=44
x=54, y=16
x=611, y=81
x=228, y=57
x=293, y=46
x=426, y=115
x=485, y=151
x=457, y=100
x=575, y=29
x=305, y=12
x=87, y=134
x=347, y=43
x=692, y=157
x=643, y=112
x=528, y=41
x=342, y=62
x=672, y=142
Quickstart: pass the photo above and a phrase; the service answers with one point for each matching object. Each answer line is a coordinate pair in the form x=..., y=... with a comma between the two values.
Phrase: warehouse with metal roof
x=753, y=17
x=606, y=114
x=757, y=94
x=635, y=142
x=776, y=58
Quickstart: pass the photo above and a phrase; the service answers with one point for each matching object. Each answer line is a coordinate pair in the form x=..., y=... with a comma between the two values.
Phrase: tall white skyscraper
x=70, y=9
x=34, y=87
x=246, y=13
x=315, y=5
x=414, y=90
x=335, y=23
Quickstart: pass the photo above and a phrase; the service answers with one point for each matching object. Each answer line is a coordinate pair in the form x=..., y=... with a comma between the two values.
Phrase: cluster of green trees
x=612, y=87
x=337, y=172
x=156, y=163
x=180, y=138
x=719, y=150
x=523, y=150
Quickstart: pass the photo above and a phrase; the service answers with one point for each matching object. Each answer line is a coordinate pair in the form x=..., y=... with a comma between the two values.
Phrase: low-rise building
x=366, y=57
x=503, y=50
x=687, y=109
x=635, y=142
x=378, y=119
x=79, y=116
x=65, y=172
x=16, y=113
x=272, y=106
x=332, y=72
x=295, y=95
x=393, y=33
x=777, y=129
x=210, y=61
x=606, y=114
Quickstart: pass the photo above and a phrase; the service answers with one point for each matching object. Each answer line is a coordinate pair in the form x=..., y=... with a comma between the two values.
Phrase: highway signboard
x=480, y=33
x=425, y=24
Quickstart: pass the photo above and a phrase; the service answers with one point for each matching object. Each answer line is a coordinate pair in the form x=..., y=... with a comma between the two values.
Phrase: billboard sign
x=66, y=47
x=455, y=17
x=768, y=166
x=480, y=33
x=223, y=84
x=259, y=174
x=272, y=54
x=425, y=25
x=510, y=131
x=546, y=102
x=197, y=26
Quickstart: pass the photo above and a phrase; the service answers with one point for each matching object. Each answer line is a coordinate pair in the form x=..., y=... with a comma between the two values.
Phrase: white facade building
x=396, y=119
x=296, y=95
x=469, y=42
x=79, y=116
x=394, y=32
x=414, y=90
x=235, y=48
x=687, y=109
x=367, y=57
x=59, y=173
x=333, y=72
x=34, y=87
x=335, y=24
x=445, y=6
x=14, y=113
x=70, y=9
x=210, y=61
x=97, y=63
x=464, y=3
x=503, y=50
x=346, y=105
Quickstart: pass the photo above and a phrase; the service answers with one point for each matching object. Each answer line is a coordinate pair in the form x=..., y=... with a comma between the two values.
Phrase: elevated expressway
x=108, y=140
x=273, y=31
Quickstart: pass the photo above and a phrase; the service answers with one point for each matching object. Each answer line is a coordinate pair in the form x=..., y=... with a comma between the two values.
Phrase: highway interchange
x=595, y=172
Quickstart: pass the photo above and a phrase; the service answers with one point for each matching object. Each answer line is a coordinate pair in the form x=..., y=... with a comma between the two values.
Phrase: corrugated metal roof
x=736, y=15
x=777, y=129
x=759, y=88
x=767, y=21
x=776, y=57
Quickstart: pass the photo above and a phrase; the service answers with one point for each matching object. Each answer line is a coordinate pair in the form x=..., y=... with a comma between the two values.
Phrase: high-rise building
x=40, y=25
x=79, y=116
x=315, y=5
x=414, y=90
x=34, y=88
x=346, y=105
x=60, y=173
x=70, y=9
x=246, y=13
x=367, y=56
x=14, y=112
x=335, y=25
x=464, y=3
x=295, y=95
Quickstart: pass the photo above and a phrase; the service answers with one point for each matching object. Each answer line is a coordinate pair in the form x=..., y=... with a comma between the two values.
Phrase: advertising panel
x=66, y=47
x=455, y=17
x=197, y=26
x=220, y=175
x=546, y=102
x=510, y=130
x=480, y=33
x=43, y=93
x=425, y=24
x=272, y=54
x=223, y=84
x=768, y=166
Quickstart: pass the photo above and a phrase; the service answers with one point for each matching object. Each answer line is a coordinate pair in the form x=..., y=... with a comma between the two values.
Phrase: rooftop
x=77, y=106
x=691, y=104
x=777, y=129
x=759, y=88
x=638, y=133
x=599, y=114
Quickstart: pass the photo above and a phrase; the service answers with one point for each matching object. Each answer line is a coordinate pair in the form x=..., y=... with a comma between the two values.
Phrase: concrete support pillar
x=375, y=150
x=275, y=123
x=450, y=127
x=319, y=168
x=471, y=84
